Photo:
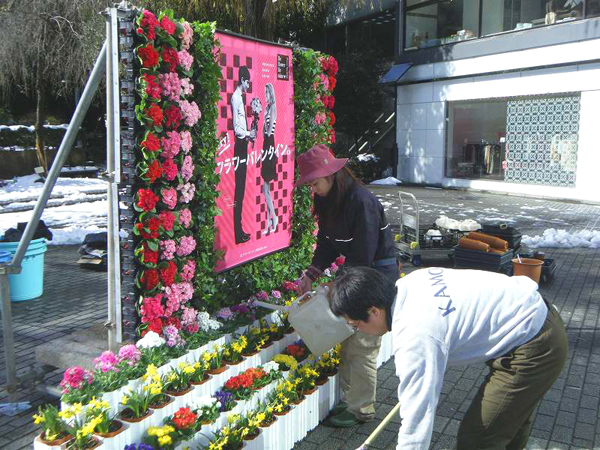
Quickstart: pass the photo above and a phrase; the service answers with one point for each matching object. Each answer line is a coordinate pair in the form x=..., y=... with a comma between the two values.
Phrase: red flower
x=155, y=114
x=332, y=66
x=184, y=418
x=329, y=101
x=167, y=219
x=331, y=117
x=332, y=136
x=151, y=143
x=150, y=257
x=149, y=279
x=332, y=83
x=167, y=274
x=296, y=351
x=340, y=260
x=167, y=25
x=149, y=56
x=170, y=58
x=170, y=169
x=147, y=199
x=173, y=115
x=150, y=22
x=154, y=171
x=153, y=89
x=155, y=325
x=174, y=321
x=288, y=286
x=149, y=229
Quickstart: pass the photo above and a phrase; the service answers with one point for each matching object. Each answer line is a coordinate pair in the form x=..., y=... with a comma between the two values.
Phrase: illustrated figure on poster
x=269, y=157
x=240, y=151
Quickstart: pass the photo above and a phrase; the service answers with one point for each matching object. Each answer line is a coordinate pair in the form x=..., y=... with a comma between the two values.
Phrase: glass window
x=507, y=15
x=431, y=23
x=592, y=8
x=528, y=140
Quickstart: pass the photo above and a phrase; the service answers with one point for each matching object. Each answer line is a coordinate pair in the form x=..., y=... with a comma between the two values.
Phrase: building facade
x=501, y=95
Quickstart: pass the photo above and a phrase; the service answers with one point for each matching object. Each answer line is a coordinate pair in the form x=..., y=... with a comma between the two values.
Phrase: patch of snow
x=389, y=181
x=552, y=238
x=364, y=157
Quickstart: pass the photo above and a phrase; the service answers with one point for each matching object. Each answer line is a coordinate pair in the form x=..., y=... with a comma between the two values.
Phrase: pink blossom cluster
x=152, y=308
x=187, y=191
x=171, y=144
x=186, y=141
x=186, y=36
x=130, y=354
x=325, y=81
x=262, y=295
x=76, y=377
x=188, y=320
x=188, y=271
x=187, y=290
x=107, y=362
x=225, y=314
x=320, y=118
x=185, y=217
x=170, y=169
x=172, y=336
x=173, y=294
x=168, y=248
x=169, y=197
x=185, y=60
x=187, y=88
x=171, y=85
x=187, y=244
x=187, y=168
x=190, y=111
x=276, y=294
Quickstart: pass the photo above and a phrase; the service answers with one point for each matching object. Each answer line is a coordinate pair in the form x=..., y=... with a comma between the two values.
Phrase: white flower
x=206, y=323
x=271, y=366
x=276, y=318
x=151, y=340
x=204, y=402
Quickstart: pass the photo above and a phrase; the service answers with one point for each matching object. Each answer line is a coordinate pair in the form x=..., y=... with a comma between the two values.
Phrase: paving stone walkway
x=567, y=418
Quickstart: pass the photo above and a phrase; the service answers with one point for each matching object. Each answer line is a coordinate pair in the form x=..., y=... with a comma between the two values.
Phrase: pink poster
x=255, y=158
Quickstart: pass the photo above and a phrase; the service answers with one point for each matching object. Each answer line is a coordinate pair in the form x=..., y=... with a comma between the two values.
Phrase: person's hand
x=305, y=285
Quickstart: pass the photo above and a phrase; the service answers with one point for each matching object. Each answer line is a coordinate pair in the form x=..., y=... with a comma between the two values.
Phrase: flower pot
x=235, y=363
x=200, y=383
x=218, y=370
x=267, y=425
x=155, y=406
x=321, y=381
x=40, y=443
x=118, y=426
x=126, y=417
x=137, y=426
x=250, y=353
x=115, y=438
x=528, y=267
x=97, y=443
x=178, y=393
x=309, y=391
x=252, y=437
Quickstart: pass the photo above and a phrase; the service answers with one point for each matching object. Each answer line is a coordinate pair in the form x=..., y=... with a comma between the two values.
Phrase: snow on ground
x=553, y=238
x=389, y=181
x=68, y=223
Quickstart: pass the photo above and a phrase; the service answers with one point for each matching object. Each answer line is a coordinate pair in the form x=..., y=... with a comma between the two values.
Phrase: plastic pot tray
x=474, y=256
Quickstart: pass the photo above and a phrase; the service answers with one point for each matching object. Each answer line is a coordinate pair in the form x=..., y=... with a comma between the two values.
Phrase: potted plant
x=200, y=375
x=161, y=437
x=78, y=385
x=326, y=367
x=227, y=438
x=137, y=401
x=207, y=409
x=298, y=350
x=306, y=376
x=272, y=372
x=54, y=429
x=81, y=427
x=232, y=352
x=226, y=400
x=177, y=381
x=286, y=362
x=240, y=386
x=255, y=340
x=266, y=415
x=107, y=426
x=215, y=361
x=185, y=422
x=153, y=350
x=250, y=424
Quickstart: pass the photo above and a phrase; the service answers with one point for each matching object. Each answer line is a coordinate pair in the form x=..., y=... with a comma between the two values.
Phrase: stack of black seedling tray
x=502, y=231
x=475, y=259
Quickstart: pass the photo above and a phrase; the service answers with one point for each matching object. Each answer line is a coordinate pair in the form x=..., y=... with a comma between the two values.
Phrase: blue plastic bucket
x=28, y=284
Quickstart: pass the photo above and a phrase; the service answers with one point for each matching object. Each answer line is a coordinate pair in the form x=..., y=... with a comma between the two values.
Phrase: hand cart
x=413, y=242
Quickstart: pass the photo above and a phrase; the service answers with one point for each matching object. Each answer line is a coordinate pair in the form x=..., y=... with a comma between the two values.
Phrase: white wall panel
x=436, y=116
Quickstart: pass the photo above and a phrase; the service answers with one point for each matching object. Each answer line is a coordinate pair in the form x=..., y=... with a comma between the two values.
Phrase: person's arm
x=273, y=119
x=324, y=255
x=420, y=364
x=240, y=127
x=364, y=219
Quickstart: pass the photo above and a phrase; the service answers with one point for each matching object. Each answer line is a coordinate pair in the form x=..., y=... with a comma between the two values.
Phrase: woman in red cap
x=351, y=223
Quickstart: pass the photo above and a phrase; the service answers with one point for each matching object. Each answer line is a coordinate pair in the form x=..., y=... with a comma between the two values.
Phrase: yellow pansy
x=164, y=440
x=38, y=419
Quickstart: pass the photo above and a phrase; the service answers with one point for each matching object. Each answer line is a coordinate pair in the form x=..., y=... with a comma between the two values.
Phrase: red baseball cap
x=318, y=162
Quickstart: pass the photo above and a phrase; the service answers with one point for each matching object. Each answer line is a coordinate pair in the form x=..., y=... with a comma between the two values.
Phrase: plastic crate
x=509, y=234
x=473, y=259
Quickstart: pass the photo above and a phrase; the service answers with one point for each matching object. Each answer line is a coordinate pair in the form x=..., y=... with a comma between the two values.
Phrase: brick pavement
x=567, y=418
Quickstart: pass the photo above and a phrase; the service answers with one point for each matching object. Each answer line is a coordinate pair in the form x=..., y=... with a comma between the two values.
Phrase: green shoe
x=339, y=408
x=344, y=420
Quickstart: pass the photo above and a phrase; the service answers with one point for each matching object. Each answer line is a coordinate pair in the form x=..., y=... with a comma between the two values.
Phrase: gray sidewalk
x=75, y=299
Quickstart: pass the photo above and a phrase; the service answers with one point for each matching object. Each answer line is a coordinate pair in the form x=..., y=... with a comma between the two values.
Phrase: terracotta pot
x=97, y=444
x=529, y=267
x=282, y=413
x=229, y=363
x=297, y=402
x=268, y=344
x=199, y=383
x=206, y=422
x=321, y=381
x=251, y=353
x=178, y=393
x=332, y=374
x=110, y=434
x=135, y=419
x=163, y=404
x=252, y=437
x=55, y=442
x=309, y=391
x=267, y=425
x=218, y=370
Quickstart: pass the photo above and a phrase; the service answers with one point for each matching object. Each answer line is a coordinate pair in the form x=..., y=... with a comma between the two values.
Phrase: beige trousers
x=358, y=374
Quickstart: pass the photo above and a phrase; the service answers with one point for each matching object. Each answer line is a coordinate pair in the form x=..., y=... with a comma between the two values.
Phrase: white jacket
x=453, y=317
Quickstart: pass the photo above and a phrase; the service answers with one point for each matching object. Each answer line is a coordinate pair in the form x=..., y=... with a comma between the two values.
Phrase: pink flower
x=186, y=141
x=187, y=191
x=189, y=316
x=171, y=145
x=185, y=60
x=325, y=81
x=185, y=217
x=187, y=88
x=169, y=169
x=173, y=294
x=107, y=362
x=190, y=111
x=276, y=294
x=173, y=337
x=225, y=314
x=320, y=118
x=188, y=271
x=334, y=267
x=262, y=295
x=187, y=290
x=187, y=245
x=168, y=249
x=171, y=85
x=169, y=197
x=76, y=377
x=187, y=169
x=186, y=36
x=130, y=354
x=340, y=260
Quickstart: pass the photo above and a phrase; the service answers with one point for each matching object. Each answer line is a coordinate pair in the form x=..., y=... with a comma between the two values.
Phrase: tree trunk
x=40, y=118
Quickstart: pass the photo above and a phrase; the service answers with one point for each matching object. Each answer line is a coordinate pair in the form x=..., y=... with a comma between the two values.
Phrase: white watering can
x=311, y=317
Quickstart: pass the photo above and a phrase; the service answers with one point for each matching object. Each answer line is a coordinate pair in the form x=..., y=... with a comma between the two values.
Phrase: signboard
x=255, y=157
